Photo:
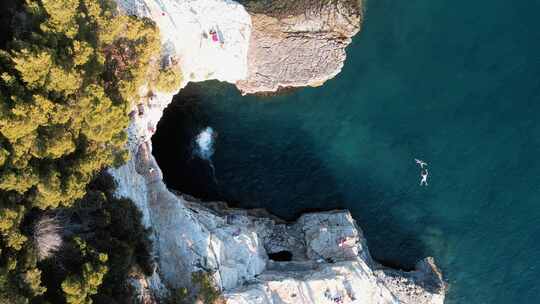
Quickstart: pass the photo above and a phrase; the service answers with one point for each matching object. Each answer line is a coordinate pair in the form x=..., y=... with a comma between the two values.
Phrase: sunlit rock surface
x=187, y=237
x=298, y=43
x=280, y=44
x=321, y=258
x=185, y=27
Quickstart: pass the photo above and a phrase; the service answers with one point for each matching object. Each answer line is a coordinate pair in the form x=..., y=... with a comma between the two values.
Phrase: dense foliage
x=109, y=244
x=65, y=91
x=68, y=75
x=102, y=242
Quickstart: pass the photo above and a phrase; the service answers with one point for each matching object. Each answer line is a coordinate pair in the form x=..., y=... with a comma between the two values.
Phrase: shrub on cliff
x=169, y=79
x=203, y=291
x=46, y=235
x=207, y=292
x=117, y=230
x=78, y=288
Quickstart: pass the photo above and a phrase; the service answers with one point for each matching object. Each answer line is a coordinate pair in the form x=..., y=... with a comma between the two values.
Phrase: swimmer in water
x=424, y=175
x=420, y=162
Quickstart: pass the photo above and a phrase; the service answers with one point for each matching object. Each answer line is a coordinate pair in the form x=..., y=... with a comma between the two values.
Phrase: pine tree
x=67, y=82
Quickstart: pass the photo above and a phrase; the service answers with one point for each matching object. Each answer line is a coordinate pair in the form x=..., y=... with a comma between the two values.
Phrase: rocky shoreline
x=327, y=258
x=324, y=251
x=253, y=257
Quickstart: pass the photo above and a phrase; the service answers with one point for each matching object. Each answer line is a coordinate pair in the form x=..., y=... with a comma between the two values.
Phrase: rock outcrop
x=276, y=45
x=298, y=43
x=185, y=27
x=252, y=256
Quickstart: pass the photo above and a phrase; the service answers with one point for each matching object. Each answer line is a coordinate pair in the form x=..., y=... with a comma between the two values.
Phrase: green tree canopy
x=68, y=78
x=65, y=90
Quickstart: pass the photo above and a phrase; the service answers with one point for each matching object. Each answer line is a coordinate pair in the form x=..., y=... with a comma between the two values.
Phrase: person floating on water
x=421, y=163
x=424, y=175
x=424, y=172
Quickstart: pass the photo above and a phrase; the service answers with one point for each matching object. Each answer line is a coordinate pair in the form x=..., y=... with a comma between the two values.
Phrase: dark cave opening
x=281, y=256
x=173, y=147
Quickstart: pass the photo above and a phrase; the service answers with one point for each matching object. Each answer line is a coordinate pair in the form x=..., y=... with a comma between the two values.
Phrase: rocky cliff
x=274, y=44
x=252, y=256
x=298, y=43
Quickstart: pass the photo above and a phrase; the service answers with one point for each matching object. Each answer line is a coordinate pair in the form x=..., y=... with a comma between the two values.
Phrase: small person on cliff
x=214, y=35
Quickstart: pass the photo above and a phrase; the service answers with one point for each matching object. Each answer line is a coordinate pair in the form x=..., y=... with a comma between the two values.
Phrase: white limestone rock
x=342, y=282
x=287, y=44
x=425, y=285
x=332, y=236
x=332, y=265
x=188, y=238
x=185, y=26
x=298, y=43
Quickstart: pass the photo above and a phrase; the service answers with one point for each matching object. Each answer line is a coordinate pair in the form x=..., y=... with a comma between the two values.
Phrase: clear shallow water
x=454, y=83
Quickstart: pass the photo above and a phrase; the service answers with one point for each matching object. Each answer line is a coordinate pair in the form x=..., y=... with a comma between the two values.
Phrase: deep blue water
x=456, y=83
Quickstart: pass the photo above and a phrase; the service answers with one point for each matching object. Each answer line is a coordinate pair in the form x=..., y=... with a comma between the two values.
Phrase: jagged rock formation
x=324, y=257
x=298, y=43
x=423, y=286
x=330, y=263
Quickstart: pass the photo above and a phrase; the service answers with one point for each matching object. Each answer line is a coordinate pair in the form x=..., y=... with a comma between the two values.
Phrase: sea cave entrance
x=289, y=154
x=174, y=146
x=263, y=157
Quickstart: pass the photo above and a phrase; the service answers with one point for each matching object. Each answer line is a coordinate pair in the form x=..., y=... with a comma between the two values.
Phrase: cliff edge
x=298, y=43
x=261, y=47
x=252, y=256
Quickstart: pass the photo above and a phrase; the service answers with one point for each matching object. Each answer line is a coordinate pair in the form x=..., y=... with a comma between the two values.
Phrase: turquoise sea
x=455, y=83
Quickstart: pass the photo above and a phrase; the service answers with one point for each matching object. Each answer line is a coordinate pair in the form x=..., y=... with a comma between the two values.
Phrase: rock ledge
x=299, y=43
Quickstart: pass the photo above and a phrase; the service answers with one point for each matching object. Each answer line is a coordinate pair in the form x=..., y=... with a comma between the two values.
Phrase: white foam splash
x=204, y=144
x=204, y=148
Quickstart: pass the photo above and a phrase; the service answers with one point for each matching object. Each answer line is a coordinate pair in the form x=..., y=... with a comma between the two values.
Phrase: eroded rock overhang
x=260, y=48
